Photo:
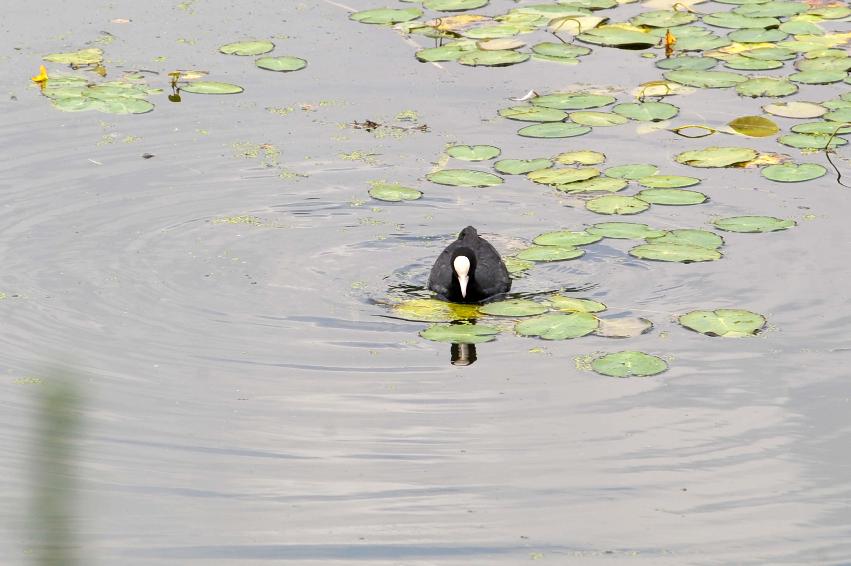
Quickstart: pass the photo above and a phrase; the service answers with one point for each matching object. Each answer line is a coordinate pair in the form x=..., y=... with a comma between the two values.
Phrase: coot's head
x=463, y=268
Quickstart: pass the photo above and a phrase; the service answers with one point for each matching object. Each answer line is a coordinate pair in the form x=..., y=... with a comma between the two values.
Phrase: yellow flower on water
x=41, y=77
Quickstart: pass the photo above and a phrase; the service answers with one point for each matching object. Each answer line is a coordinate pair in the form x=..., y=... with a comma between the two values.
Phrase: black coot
x=469, y=270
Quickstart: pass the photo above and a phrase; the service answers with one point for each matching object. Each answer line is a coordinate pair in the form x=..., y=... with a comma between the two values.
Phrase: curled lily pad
x=750, y=224
x=572, y=304
x=628, y=364
x=282, y=64
x=793, y=172
x=673, y=197
x=598, y=184
x=566, y=238
x=460, y=333
x=464, y=178
x=667, y=181
x=386, y=16
x=433, y=310
x=705, y=79
x=682, y=253
x=211, y=87
x=521, y=166
x=562, y=176
x=582, y=157
x=716, y=156
x=473, y=152
x=632, y=172
x=766, y=86
x=550, y=253
x=514, y=307
x=647, y=111
x=558, y=326
x=572, y=100
x=393, y=192
x=533, y=114
x=754, y=126
x=689, y=237
x=624, y=230
x=626, y=327
x=553, y=130
x=729, y=323
x=247, y=48
x=795, y=109
x=497, y=58
x=616, y=204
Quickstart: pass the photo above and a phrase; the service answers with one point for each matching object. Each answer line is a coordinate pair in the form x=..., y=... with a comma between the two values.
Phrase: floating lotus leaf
x=614, y=36
x=624, y=230
x=566, y=238
x=834, y=12
x=674, y=197
x=771, y=9
x=521, y=166
x=795, y=109
x=514, y=307
x=89, y=56
x=623, y=327
x=122, y=105
x=840, y=115
x=449, y=52
x=572, y=304
x=553, y=130
x=516, y=267
x=705, y=79
x=386, y=15
x=550, y=253
x=562, y=176
x=616, y=204
x=756, y=35
x=582, y=157
x=754, y=126
x=598, y=184
x=497, y=31
x=464, y=178
x=533, y=114
x=211, y=87
x=716, y=156
x=752, y=224
x=681, y=253
x=473, y=152
x=818, y=77
x=433, y=310
x=558, y=326
x=742, y=63
x=766, y=86
x=663, y=19
x=74, y=103
x=460, y=333
x=572, y=100
x=840, y=64
x=812, y=141
x=689, y=237
x=501, y=43
x=792, y=172
x=498, y=58
x=393, y=192
x=647, y=111
x=801, y=27
x=562, y=60
x=561, y=50
x=687, y=63
x=454, y=5
x=601, y=119
x=770, y=54
x=632, y=172
x=729, y=323
x=282, y=64
x=829, y=128
x=738, y=21
x=667, y=181
x=628, y=364
x=247, y=48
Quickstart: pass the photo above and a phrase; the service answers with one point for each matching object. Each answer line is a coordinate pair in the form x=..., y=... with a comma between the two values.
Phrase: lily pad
x=793, y=172
x=572, y=100
x=449, y=52
x=123, y=105
x=282, y=64
x=663, y=19
x=754, y=126
x=716, y=156
x=743, y=63
x=562, y=175
x=757, y=35
x=624, y=230
x=616, y=204
x=687, y=62
x=705, y=79
x=561, y=50
x=572, y=304
x=558, y=326
x=821, y=77
x=433, y=310
x=211, y=87
x=553, y=130
x=521, y=166
x=454, y=5
x=647, y=111
x=550, y=253
x=752, y=224
x=464, y=178
x=393, y=192
x=738, y=21
x=628, y=364
x=496, y=58
x=689, y=237
x=597, y=119
x=566, y=238
x=460, y=333
x=582, y=157
x=514, y=307
x=247, y=48
x=829, y=128
x=729, y=323
x=632, y=171
x=795, y=109
x=667, y=181
x=766, y=86
x=533, y=114
x=597, y=184
x=812, y=141
x=626, y=327
x=681, y=253
x=673, y=197
x=386, y=16
x=516, y=267
x=614, y=36
x=88, y=56
x=473, y=152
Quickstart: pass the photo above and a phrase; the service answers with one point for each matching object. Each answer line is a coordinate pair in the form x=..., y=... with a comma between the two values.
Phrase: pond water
x=248, y=396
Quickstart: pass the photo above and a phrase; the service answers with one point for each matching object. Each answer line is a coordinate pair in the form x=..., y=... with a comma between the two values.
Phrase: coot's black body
x=488, y=276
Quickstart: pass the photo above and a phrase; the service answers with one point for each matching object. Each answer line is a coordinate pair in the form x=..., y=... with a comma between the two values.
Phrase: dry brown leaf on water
x=623, y=327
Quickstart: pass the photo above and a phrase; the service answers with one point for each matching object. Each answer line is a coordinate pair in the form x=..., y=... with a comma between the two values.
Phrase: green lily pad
x=743, y=63
x=460, y=333
x=705, y=79
x=601, y=119
x=812, y=141
x=566, y=238
x=473, y=152
x=572, y=304
x=625, y=327
x=793, y=172
x=757, y=35
x=667, y=181
x=663, y=19
x=624, y=230
x=444, y=53
x=729, y=323
x=795, y=109
x=681, y=253
x=829, y=128
x=582, y=157
x=496, y=58
x=738, y=21
x=386, y=16
x=74, y=103
x=533, y=114
x=633, y=171
x=550, y=253
x=801, y=27
x=454, y=5
x=247, y=48
x=122, y=105
x=839, y=64
x=521, y=166
x=689, y=237
x=770, y=54
x=516, y=267
x=562, y=176
x=514, y=307
x=561, y=50
x=716, y=156
x=553, y=130
x=702, y=43
x=752, y=224
x=558, y=326
x=613, y=36
x=772, y=9
x=646, y=111
x=572, y=100
x=211, y=87
x=597, y=184
x=840, y=115
x=497, y=31
x=616, y=204
x=88, y=56
x=673, y=197
x=393, y=192
x=282, y=64
x=766, y=86
x=687, y=63
x=821, y=77
x=628, y=364
x=754, y=126
x=464, y=178
x=433, y=310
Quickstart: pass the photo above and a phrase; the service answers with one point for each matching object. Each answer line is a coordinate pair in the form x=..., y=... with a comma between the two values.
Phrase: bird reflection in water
x=463, y=354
